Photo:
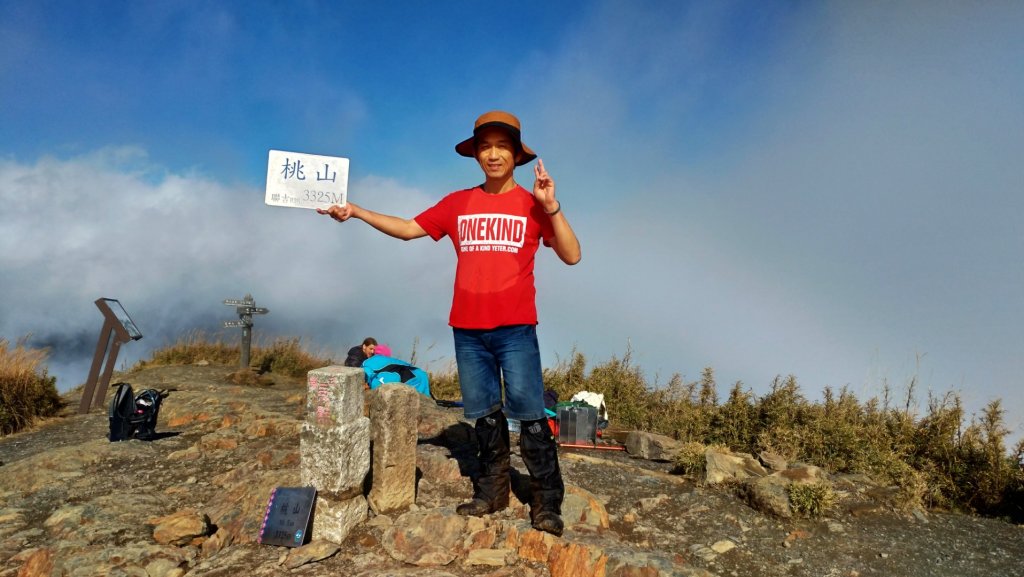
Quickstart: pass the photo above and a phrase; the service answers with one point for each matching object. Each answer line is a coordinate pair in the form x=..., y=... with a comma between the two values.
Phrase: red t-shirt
x=495, y=238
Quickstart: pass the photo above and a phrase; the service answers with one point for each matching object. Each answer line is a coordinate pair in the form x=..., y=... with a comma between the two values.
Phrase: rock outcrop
x=192, y=501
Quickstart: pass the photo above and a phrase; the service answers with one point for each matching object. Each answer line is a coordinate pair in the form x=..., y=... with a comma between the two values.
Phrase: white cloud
x=861, y=226
x=171, y=247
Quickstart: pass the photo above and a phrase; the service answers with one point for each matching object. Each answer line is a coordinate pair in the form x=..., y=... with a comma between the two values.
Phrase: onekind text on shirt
x=495, y=232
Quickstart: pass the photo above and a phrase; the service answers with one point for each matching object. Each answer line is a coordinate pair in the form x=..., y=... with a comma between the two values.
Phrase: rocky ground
x=72, y=503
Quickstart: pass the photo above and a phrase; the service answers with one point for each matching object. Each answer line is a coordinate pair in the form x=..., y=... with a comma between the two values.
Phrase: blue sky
x=829, y=190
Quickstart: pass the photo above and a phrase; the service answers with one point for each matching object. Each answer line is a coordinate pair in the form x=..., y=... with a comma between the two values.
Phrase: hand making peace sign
x=544, y=188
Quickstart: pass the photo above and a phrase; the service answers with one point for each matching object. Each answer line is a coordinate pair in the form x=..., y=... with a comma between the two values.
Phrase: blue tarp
x=381, y=370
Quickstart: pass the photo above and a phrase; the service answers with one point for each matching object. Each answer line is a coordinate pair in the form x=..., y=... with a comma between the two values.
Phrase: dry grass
x=285, y=356
x=27, y=393
x=444, y=384
x=192, y=348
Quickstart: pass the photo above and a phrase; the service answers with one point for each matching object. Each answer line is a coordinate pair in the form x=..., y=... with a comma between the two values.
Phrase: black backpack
x=134, y=416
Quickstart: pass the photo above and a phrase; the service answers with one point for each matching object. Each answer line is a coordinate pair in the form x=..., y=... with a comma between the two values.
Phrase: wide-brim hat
x=499, y=119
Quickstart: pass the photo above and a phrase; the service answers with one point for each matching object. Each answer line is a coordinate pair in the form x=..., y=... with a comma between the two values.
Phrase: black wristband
x=556, y=211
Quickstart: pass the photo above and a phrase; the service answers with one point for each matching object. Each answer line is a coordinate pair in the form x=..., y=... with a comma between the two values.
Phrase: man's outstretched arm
x=389, y=225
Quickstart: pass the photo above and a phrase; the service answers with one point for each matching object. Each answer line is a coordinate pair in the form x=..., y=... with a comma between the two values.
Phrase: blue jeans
x=485, y=357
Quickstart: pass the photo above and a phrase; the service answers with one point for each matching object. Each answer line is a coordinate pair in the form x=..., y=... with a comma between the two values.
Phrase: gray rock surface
x=723, y=466
x=652, y=446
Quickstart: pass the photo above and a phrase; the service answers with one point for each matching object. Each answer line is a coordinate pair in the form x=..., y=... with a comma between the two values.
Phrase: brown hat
x=501, y=120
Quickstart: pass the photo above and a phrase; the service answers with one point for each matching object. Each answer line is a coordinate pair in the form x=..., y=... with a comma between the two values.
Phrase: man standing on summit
x=496, y=228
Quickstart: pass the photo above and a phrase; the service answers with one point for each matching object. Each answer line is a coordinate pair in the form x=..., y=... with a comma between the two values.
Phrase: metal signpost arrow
x=245, y=308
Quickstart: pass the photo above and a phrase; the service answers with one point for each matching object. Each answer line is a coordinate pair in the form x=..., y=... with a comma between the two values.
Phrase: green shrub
x=784, y=406
x=567, y=377
x=690, y=460
x=837, y=438
x=672, y=411
x=811, y=500
x=624, y=388
x=989, y=472
x=735, y=423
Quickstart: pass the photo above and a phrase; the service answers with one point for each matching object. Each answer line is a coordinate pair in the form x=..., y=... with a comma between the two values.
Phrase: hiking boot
x=477, y=507
x=548, y=522
x=491, y=487
x=540, y=453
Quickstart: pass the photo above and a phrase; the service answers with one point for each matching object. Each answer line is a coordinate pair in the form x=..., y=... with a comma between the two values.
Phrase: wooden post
x=118, y=328
x=97, y=359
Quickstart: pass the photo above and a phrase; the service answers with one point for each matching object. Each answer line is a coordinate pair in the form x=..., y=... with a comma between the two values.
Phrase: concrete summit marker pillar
x=334, y=446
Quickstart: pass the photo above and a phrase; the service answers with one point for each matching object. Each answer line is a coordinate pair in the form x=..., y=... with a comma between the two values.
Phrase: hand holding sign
x=299, y=180
x=339, y=213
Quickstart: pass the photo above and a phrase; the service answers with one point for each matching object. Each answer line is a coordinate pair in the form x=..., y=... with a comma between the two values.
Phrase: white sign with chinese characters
x=300, y=180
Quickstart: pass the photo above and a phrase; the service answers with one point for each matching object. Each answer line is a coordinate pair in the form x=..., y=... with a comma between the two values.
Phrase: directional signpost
x=245, y=308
